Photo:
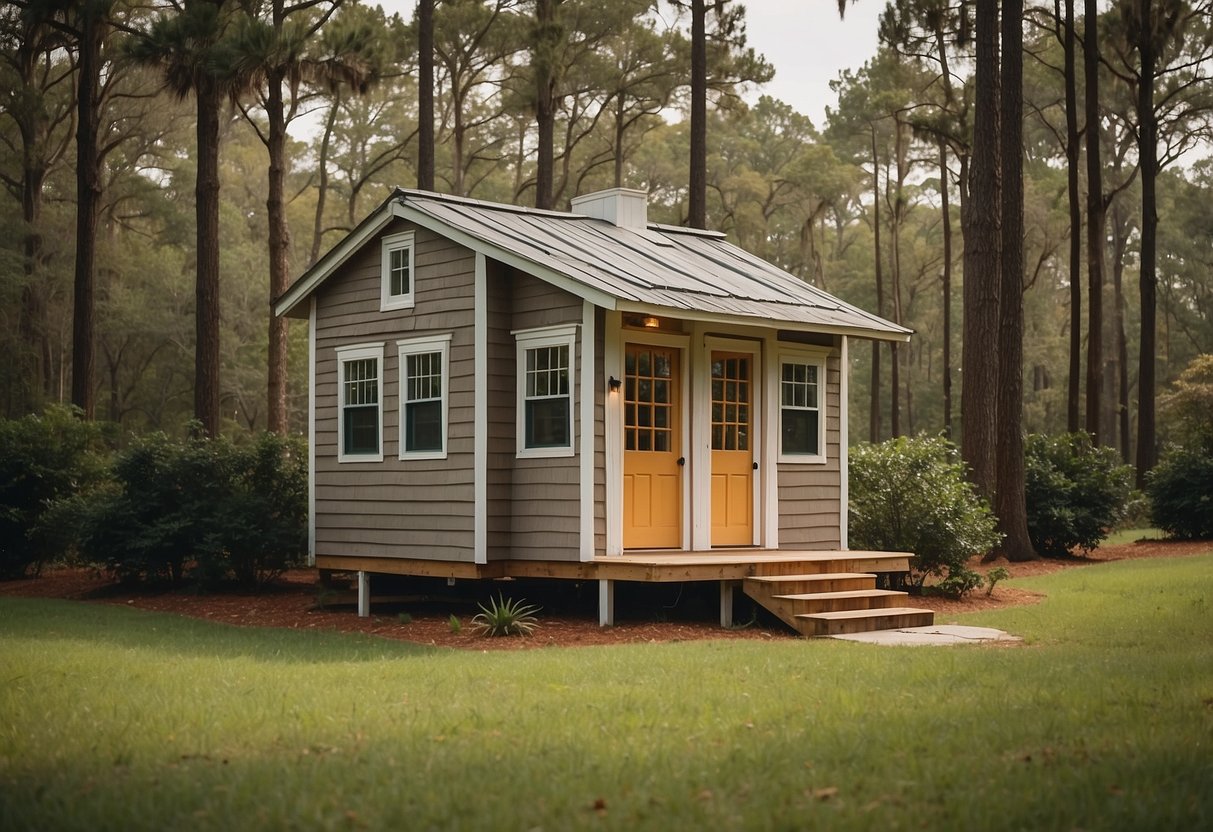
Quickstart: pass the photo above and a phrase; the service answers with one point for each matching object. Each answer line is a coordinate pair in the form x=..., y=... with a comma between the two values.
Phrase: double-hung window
x=397, y=272
x=546, y=378
x=801, y=411
x=360, y=403
x=424, y=379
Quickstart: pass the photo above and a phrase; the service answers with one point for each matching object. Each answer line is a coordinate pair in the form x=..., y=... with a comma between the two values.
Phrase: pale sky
x=803, y=39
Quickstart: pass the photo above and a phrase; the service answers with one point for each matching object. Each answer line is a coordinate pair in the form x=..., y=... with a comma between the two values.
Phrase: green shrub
x=1181, y=486
x=1181, y=492
x=506, y=618
x=43, y=458
x=910, y=495
x=201, y=508
x=1076, y=492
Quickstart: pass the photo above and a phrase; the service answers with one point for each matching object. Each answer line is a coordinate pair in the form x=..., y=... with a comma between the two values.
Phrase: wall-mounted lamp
x=614, y=384
x=651, y=323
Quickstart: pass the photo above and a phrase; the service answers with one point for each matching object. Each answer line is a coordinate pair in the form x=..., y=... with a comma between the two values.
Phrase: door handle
x=755, y=466
x=682, y=460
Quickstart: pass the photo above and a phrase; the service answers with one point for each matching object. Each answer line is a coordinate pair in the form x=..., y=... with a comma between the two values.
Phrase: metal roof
x=681, y=272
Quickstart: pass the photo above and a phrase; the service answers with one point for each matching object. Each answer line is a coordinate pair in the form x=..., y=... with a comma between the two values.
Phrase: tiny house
x=498, y=390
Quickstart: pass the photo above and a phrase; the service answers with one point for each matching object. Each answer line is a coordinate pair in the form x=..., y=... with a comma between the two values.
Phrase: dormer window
x=397, y=268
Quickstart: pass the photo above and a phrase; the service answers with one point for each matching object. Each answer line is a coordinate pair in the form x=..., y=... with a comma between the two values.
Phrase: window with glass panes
x=730, y=402
x=800, y=409
x=360, y=406
x=649, y=398
x=422, y=403
x=397, y=287
x=547, y=404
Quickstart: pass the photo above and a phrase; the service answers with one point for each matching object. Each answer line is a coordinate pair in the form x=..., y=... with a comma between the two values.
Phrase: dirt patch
x=294, y=602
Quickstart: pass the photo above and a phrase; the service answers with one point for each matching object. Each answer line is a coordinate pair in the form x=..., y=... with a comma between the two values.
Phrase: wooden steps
x=831, y=598
x=862, y=621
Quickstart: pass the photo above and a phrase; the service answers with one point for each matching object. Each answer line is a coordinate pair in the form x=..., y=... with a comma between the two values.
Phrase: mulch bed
x=293, y=602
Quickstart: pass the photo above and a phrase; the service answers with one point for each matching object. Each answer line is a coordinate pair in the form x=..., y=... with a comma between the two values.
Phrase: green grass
x=112, y=718
x=1124, y=536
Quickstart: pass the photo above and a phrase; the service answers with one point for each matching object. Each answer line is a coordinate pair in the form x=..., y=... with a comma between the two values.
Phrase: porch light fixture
x=651, y=323
x=614, y=384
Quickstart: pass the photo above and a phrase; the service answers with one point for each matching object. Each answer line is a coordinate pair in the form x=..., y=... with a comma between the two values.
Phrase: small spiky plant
x=506, y=618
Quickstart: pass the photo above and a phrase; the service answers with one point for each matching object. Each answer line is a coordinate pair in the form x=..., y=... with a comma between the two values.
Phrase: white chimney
x=624, y=207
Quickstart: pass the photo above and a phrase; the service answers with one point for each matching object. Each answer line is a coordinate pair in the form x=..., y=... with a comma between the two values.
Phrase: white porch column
x=606, y=602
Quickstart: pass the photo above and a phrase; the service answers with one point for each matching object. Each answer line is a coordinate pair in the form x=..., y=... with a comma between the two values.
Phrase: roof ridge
x=483, y=203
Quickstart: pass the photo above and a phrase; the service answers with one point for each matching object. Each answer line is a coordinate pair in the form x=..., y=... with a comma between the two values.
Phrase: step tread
x=843, y=593
x=821, y=576
x=877, y=613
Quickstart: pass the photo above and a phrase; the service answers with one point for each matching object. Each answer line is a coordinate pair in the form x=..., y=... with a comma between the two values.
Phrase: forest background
x=870, y=206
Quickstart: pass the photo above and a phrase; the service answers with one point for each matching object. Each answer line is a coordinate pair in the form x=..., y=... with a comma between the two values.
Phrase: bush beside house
x=910, y=494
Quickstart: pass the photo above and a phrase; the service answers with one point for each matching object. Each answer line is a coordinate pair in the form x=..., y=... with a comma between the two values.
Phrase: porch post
x=364, y=594
x=606, y=602
x=726, y=604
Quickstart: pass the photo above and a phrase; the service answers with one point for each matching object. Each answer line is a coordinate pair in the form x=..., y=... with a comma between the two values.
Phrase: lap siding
x=397, y=508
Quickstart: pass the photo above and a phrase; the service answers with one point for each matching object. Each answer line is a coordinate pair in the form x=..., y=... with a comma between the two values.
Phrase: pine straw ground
x=294, y=602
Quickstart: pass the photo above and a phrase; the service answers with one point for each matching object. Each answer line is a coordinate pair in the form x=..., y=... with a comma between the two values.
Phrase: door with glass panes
x=652, y=455
x=732, y=448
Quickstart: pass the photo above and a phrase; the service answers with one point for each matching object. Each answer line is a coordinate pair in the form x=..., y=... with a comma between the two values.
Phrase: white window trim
x=529, y=339
x=417, y=346
x=357, y=352
x=817, y=359
x=392, y=243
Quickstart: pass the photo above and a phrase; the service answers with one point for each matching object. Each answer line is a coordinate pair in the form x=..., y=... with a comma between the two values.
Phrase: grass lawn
x=113, y=718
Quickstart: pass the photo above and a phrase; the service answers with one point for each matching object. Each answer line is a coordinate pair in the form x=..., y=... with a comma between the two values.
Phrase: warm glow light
x=651, y=322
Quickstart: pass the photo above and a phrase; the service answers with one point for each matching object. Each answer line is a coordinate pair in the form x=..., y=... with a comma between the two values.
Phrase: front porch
x=816, y=593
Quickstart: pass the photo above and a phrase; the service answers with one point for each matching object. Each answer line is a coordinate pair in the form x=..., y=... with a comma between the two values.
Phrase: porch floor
x=738, y=564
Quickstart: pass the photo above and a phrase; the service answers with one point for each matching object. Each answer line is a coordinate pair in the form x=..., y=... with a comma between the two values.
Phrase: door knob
x=755, y=466
x=682, y=460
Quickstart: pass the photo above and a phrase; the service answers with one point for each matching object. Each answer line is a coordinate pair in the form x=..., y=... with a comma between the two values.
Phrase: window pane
x=423, y=426
x=399, y=264
x=800, y=432
x=547, y=423
x=361, y=430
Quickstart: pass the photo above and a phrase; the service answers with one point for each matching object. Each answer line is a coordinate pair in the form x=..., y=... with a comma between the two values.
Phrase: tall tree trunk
x=947, y=288
x=697, y=197
x=425, y=95
x=206, y=195
x=88, y=196
x=1095, y=223
x=279, y=250
x=896, y=354
x=1147, y=451
x=35, y=377
x=1073, y=390
x=545, y=103
x=1121, y=232
x=874, y=410
x=978, y=393
x=322, y=185
x=1009, y=503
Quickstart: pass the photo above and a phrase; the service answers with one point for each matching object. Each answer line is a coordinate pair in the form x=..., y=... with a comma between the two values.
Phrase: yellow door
x=652, y=455
x=732, y=449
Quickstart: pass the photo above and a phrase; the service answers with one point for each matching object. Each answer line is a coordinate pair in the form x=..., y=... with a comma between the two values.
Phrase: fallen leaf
x=825, y=793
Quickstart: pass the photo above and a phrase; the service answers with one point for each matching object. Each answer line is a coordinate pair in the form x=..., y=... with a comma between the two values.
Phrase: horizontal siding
x=545, y=493
x=599, y=432
x=397, y=508
x=809, y=495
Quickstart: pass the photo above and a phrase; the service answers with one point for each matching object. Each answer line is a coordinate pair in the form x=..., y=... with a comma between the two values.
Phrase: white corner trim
x=770, y=448
x=435, y=343
x=612, y=365
x=403, y=241
x=311, y=432
x=844, y=416
x=355, y=352
x=480, y=418
x=587, y=429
